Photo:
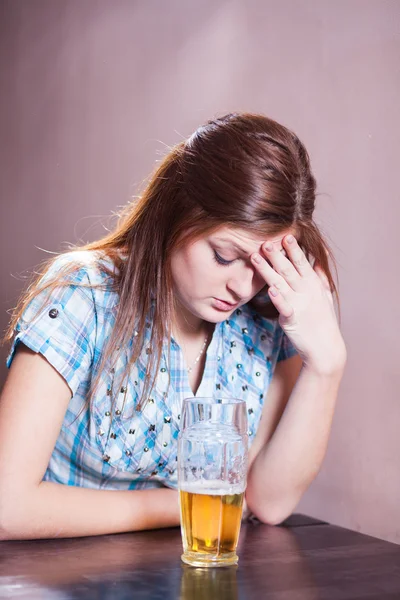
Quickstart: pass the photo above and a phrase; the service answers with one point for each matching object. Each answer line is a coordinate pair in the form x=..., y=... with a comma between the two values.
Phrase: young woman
x=215, y=281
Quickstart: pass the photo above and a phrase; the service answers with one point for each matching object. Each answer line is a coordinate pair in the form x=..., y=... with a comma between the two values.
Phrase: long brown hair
x=241, y=170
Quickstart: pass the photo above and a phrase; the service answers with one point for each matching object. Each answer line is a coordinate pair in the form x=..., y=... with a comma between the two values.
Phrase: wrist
x=328, y=366
x=328, y=369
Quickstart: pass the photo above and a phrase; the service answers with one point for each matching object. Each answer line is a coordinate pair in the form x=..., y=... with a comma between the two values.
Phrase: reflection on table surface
x=309, y=559
x=206, y=583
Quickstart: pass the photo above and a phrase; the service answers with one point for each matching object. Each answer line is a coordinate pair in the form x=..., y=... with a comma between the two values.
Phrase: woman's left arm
x=286, y=456
x=291, y=450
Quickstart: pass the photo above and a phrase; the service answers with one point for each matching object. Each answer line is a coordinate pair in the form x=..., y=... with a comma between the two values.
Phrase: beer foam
x=212, y=488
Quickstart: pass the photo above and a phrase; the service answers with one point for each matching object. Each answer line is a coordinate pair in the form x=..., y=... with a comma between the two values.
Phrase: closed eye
x=220, y=260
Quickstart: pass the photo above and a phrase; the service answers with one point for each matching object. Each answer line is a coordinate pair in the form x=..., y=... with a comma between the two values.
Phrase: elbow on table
x=273, y=513
x=273, y=510
x=12, y=521
x=272, y=517
x=7, y=530
x=6, y=533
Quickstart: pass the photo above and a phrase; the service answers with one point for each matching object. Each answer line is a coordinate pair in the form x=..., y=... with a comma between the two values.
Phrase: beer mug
x=212, y=470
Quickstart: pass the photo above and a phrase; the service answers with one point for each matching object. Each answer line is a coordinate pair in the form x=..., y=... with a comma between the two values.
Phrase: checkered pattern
x=116, y=447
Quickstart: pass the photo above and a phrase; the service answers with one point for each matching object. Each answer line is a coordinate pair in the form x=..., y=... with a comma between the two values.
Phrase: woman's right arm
x=32, y=408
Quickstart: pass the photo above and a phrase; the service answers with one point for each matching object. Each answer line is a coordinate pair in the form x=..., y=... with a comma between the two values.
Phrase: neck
x=190, y=329
x=188, y=325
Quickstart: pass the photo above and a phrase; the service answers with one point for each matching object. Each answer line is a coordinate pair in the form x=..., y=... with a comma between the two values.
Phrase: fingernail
x=290, y=239
x=273, y=291
x=268, y=246
x=256, y=258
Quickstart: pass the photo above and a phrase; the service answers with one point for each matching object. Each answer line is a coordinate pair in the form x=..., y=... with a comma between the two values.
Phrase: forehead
x=245, y=240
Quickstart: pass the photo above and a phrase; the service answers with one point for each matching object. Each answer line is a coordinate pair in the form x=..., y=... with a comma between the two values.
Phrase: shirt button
x=53, y=313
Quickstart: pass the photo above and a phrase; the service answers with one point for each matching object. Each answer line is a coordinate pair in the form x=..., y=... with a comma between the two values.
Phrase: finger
x=282, y=266
x=297, y=256
x=282, y=305
x=270, y=276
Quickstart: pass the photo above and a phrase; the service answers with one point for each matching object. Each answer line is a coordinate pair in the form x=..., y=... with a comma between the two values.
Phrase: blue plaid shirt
x=113, y=446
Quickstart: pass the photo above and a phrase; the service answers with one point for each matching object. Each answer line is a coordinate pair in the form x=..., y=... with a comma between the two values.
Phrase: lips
x=224, y=305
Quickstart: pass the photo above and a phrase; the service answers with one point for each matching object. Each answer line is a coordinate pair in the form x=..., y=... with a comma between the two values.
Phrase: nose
x=241, y=283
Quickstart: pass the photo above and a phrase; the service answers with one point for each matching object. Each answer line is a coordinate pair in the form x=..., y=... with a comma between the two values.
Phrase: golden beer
x=212, y=474
x=210, y=524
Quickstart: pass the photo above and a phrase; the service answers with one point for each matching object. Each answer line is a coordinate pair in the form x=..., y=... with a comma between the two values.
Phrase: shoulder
x=86, y=272
x=65, y=316
x=76, y=265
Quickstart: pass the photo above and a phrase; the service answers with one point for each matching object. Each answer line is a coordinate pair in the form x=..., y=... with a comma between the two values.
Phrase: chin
x=212, y=315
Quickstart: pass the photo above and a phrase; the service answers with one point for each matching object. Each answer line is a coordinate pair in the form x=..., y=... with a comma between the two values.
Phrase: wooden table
x=303, y=559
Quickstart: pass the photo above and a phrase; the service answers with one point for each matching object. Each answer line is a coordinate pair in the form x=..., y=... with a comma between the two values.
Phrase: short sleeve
x=61, y=325
x=286, y=349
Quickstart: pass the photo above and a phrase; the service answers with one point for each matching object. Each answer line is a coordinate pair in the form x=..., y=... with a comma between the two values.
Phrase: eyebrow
x=232, y=244
x=241, y=249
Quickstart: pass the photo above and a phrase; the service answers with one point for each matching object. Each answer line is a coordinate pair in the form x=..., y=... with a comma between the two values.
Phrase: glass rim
x=213, y=400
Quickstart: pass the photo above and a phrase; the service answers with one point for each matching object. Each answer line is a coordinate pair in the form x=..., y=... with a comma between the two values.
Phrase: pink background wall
x=92, y=93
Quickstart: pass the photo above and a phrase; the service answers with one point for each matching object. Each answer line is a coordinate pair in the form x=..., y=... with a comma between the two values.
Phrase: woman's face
x=213, y=276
